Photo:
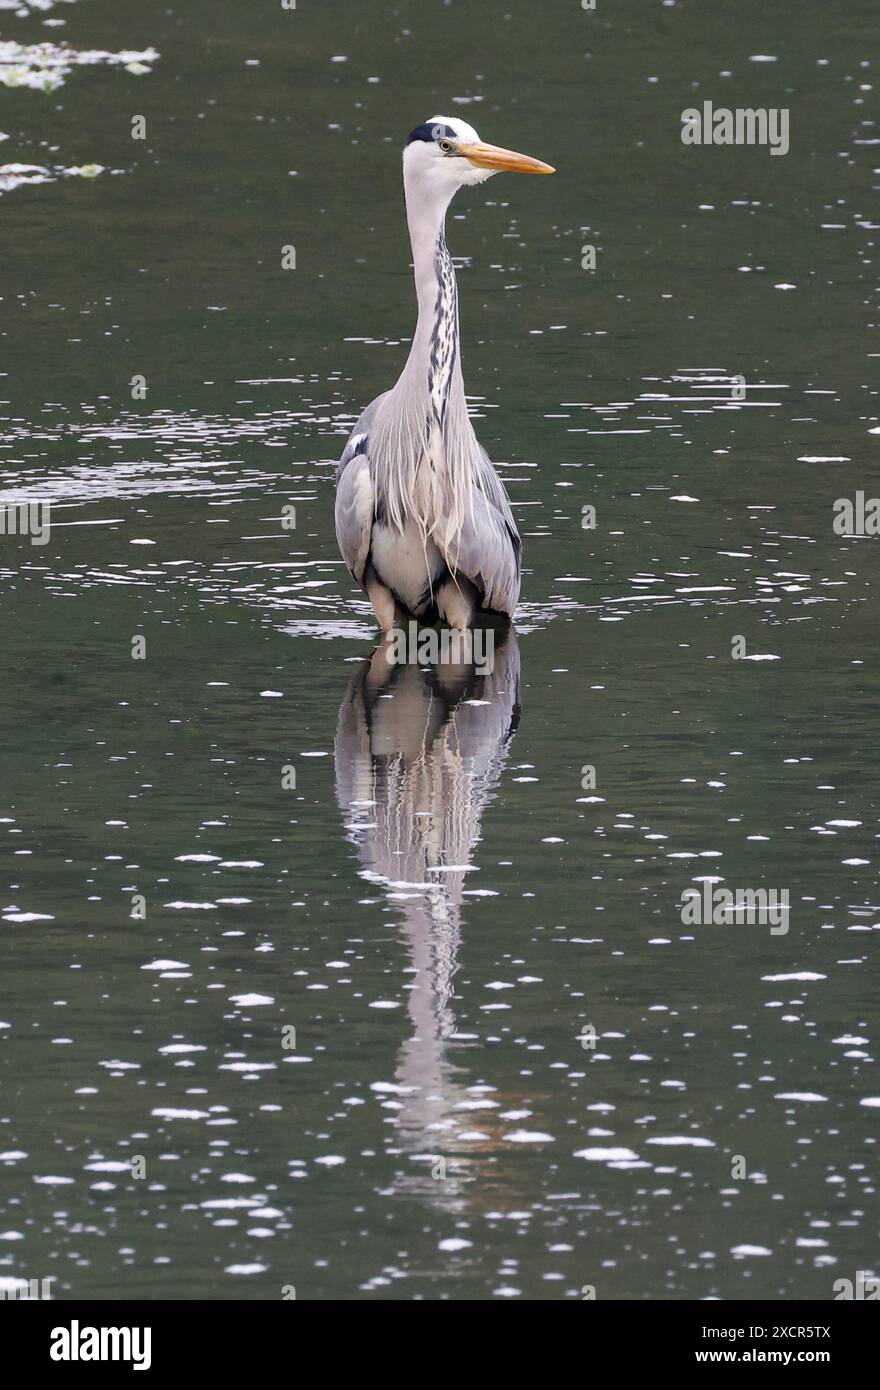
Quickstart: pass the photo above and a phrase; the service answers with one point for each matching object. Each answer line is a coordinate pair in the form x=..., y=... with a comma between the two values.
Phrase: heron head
x=449, y=154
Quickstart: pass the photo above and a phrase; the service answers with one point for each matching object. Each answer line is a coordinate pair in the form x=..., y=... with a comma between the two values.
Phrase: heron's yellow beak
x=494, y=157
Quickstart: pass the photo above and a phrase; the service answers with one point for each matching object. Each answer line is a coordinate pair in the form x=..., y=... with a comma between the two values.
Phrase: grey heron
x=422, y=518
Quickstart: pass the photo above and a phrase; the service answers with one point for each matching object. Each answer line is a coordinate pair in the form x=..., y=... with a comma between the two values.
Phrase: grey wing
x=489, y=548
x=355, y=496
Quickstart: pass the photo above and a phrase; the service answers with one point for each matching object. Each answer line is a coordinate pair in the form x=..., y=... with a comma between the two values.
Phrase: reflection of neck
x=432, y=934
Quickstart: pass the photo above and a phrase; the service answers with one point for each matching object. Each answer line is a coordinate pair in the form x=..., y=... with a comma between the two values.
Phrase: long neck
x=422, y=441
x=435, y=352
x=426, y=219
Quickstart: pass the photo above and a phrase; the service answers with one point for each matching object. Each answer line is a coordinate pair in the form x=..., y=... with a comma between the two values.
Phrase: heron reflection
x=419, y=751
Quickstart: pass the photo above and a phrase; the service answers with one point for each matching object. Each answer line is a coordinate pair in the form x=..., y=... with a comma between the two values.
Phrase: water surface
x=439, y=907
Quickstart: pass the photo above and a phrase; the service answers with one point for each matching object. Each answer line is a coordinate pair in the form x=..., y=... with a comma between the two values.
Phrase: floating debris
x=26, y=8
x=15, y=175
x=44, y=67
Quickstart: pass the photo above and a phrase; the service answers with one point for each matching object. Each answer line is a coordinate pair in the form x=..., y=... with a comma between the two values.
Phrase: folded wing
x=489, y=548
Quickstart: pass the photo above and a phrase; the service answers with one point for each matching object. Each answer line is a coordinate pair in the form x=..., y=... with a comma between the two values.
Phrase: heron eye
x=446, y=146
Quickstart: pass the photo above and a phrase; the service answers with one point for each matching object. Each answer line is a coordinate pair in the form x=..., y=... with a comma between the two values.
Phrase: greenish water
x=441, y=1028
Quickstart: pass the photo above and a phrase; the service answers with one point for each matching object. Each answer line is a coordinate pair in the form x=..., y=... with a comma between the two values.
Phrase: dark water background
x=439, y=1023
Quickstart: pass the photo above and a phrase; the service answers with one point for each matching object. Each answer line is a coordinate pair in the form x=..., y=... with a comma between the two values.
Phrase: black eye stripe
x=431, y=131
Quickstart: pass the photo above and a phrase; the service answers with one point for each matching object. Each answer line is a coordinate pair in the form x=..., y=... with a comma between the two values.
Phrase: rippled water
x=258, y=828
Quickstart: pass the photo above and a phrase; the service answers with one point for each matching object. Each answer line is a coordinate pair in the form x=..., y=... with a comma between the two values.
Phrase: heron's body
x=422, y=518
